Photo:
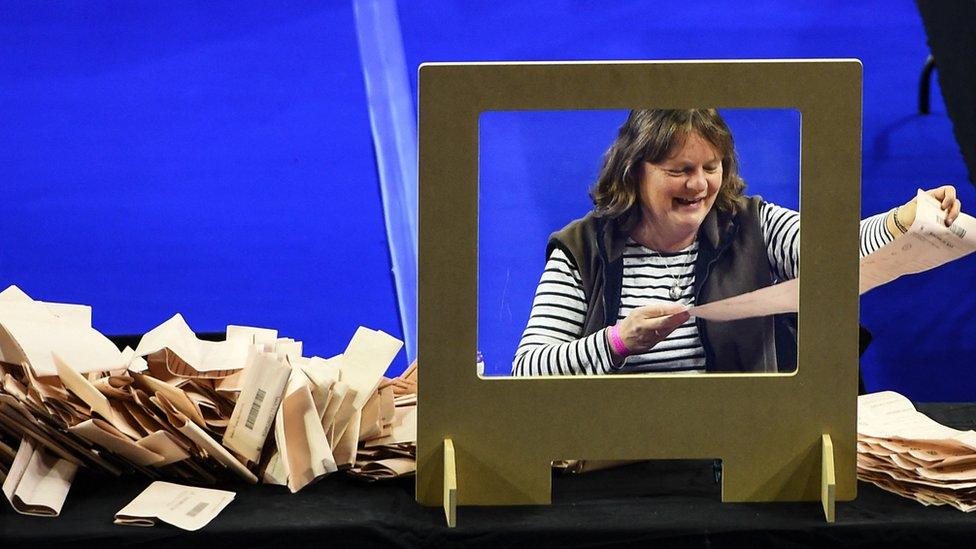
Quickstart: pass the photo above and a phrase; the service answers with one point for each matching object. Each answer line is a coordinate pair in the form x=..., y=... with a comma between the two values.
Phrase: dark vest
x=731, y=261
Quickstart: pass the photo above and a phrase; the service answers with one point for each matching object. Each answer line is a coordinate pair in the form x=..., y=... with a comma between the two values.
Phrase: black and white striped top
x=551, y=343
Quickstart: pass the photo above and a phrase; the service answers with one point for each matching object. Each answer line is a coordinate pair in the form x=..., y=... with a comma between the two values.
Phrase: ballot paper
x=889, y=415
x=185, y=507
x=776, y=299
x=30, y=332
x=377, y=415
x=927, y=244
x=264, y=381
x=366, y=359
x=905, y=452
x=248, y=335
x=404, y=428
x=324, y=374
x=27, y=422
x=309, y=452
x=174, y=395
x=343, y=415
x=199, y=358
x=136, y=363
x=304, y=453
x=78, y=315
x=212, y=448
x=386, y=468
x=393, y=454
x=93, y=397
x=103, y=434
x=406, y=383
x=347, y=444
x=337, y=395
x=38, y=482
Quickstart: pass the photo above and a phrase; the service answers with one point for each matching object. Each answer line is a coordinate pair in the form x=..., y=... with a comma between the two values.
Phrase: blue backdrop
x=210, y=159
x=215, y=158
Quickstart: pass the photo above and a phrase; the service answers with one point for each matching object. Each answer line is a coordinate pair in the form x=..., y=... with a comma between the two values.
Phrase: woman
x=671, y=228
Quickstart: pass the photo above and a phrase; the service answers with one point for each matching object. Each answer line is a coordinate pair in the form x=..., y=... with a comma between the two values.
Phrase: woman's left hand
x=946, y=195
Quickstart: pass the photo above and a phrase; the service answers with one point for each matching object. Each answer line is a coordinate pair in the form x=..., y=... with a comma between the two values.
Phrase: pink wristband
x=617, y=343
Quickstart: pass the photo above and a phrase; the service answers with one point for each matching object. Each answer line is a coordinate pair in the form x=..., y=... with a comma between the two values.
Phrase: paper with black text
x=905, y=452
x=927, y=245
x=264, y=381
x=185, y=507
x=890, y=415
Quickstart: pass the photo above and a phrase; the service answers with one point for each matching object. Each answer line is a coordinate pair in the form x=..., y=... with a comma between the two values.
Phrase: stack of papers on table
x=176, y=407
x=388, y=431
x=905, y=452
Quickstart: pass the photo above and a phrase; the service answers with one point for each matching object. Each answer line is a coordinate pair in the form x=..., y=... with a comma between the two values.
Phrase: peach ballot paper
x=927, y=244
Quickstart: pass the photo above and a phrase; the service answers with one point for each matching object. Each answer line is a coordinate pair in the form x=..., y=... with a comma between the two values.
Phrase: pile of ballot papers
x=183, y=409
x=906, y=452
x=388, y=443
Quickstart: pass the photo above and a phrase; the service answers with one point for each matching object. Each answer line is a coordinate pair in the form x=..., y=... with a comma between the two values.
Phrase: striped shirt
x=552, y=344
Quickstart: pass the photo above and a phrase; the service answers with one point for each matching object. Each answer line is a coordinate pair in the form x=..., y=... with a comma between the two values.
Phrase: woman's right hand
x=647, y=326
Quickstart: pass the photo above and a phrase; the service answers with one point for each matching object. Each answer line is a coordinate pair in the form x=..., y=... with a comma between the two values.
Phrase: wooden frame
x=767, y=428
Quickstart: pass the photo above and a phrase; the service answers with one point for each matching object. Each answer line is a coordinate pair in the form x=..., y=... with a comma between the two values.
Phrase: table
x=674, y=502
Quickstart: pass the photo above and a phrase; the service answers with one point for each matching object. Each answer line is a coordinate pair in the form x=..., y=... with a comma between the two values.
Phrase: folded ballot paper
x=31, y=331
x=906, y=452
x=186, y=507
x=388, y=432
x=927, y=244
x=37, y=482
x=176, y=407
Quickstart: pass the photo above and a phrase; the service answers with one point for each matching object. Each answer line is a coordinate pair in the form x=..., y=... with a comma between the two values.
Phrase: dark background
x=215, y=159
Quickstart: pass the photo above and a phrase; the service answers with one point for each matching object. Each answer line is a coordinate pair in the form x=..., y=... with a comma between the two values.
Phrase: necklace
x=675, y=290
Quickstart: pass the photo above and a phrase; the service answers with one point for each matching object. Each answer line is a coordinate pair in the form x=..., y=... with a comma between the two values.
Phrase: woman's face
x=677, y=193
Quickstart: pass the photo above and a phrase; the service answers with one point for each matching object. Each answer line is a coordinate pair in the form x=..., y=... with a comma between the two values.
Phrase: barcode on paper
x=196, y=509
x=252, y=416
x=958, y=231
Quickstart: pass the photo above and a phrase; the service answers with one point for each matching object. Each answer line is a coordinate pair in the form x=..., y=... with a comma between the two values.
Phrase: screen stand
x=450, y=483
x=827, y=483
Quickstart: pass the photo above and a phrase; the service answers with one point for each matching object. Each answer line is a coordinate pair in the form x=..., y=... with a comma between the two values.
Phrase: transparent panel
x=536, y=169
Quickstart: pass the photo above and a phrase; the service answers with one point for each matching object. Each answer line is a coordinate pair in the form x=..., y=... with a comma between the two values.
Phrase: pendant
x=674, y=292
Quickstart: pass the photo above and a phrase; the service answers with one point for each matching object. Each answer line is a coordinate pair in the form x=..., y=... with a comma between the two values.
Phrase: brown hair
x=652, y=136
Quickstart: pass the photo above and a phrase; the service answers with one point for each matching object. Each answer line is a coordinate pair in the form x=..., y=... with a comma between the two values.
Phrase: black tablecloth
x=672, y=502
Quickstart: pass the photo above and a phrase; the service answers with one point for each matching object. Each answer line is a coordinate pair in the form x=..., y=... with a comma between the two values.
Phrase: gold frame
x=767, y=428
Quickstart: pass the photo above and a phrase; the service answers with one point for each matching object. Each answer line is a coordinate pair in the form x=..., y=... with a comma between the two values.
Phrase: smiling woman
x=677, y=193
x=671, y=228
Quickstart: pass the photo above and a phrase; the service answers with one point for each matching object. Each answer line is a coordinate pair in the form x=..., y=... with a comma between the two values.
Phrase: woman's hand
x=646, y=326
x=945, y=194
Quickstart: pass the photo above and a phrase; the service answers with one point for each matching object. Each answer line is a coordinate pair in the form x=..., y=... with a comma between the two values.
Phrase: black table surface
x=674, y=503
